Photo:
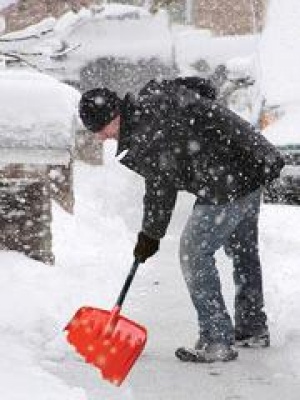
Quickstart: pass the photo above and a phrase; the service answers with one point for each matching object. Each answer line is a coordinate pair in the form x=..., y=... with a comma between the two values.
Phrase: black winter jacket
x=183, y=141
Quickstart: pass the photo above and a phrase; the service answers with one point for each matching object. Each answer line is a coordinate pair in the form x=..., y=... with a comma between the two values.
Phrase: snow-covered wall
x=37, y=111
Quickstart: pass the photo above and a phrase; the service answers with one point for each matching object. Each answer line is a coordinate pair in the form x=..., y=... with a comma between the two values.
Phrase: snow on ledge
x=34, y=156
x=37, y=112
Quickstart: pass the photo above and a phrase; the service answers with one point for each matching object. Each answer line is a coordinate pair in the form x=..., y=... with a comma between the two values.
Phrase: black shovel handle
x=127, y=283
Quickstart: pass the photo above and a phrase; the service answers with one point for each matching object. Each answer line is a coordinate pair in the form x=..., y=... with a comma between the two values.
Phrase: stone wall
x=26, y=191
x=25, y=212
x=229, y=17
x=224, y=17
x=28, y=12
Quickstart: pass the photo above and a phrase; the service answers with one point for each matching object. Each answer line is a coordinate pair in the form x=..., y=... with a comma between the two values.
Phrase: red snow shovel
x=106, y=339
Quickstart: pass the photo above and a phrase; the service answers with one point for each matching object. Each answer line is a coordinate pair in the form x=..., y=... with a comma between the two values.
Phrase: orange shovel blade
x=107, y=340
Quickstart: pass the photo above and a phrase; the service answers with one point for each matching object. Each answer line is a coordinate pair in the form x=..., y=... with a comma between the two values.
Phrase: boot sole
x=252, y=343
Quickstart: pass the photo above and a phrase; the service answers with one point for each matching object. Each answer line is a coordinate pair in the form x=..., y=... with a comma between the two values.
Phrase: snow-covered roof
x=37, y=112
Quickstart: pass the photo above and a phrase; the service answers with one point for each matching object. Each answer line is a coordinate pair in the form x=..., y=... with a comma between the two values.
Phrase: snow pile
x=280, y=60
x=21, y=376
x=94, y=252
x=111, y=30
x=37, y=111
x=192, y=45
x=280, y=52
x=99, y=36
x=279, y=256
x=285, y=131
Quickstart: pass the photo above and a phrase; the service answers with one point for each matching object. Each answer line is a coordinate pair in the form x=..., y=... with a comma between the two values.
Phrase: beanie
x=98, y=107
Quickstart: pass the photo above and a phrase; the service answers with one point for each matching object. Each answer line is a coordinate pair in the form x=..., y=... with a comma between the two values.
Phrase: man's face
x=110, y=131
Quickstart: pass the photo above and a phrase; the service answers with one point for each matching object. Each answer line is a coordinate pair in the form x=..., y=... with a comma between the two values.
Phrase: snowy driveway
x=93, y=250
x=159, y=300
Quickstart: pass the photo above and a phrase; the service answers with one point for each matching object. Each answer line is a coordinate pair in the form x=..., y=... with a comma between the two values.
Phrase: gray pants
x=234, y=226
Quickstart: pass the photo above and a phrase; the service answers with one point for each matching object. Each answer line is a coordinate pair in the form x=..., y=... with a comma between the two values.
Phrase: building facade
x=23, y=13
x=230, y=17
x=223, y=17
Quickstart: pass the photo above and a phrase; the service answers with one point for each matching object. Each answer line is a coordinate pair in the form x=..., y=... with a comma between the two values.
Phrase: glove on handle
x=145, y=247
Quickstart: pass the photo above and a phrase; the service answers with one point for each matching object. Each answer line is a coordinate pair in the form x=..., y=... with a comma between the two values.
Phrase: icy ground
x=93, y=250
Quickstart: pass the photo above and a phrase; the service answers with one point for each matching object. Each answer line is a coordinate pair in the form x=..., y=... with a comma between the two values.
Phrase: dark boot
x=207, y=354
x=257, y=339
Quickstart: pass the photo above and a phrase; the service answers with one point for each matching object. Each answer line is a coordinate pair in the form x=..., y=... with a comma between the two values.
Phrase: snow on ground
x=93, y=250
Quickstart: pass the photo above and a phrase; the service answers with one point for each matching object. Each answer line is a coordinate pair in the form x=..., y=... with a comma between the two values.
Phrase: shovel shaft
x=127, y=284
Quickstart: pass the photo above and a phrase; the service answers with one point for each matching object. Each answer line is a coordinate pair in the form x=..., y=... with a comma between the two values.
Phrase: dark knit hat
x=98, y=107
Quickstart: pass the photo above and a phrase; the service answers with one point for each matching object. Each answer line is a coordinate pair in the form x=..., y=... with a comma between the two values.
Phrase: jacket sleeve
x=230, y=127
x=159, y=202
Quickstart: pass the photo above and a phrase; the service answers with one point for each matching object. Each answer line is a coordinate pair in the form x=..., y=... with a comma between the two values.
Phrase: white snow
x=37, y=111
x=280, y=52
x=111, y=30
x=120, y=11
x=2, y=24
x=133, y=39
x=94, y=251
x=285, y=131
x=192, y=45
x=5, y=3
x=280, y=61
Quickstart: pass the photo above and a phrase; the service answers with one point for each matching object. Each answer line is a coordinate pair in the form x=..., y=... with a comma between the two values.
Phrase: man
x=180, y=140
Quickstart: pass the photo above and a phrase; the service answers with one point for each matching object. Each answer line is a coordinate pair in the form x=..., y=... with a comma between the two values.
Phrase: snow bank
x=94, y=253
x=193, y=44
x=111, y=30
x=133, y=39
x=279, y=256
x=280, y=52
x=37, y=111
x=285, y=131
x=22, y=378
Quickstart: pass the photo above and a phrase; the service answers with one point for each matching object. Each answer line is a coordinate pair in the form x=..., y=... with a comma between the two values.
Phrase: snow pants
x=234, y=226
